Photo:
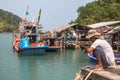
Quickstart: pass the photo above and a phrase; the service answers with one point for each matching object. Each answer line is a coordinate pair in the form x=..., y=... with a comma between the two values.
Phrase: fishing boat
x=93, y=59
x=27, y=42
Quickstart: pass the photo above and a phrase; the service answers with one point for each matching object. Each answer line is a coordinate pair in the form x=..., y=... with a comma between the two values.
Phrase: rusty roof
x=64, y=27
x=102, y=24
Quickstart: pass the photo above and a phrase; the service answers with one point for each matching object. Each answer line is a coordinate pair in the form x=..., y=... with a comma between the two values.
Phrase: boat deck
x=54, y=47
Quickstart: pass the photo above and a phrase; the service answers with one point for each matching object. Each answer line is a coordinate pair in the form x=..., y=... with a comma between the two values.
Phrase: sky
x=54, y=13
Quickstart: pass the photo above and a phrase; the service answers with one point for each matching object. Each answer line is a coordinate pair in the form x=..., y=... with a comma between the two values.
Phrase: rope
x=79, y=77
x=89, y=74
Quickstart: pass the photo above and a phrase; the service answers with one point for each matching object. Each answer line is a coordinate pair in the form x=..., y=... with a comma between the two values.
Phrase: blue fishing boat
x=29, y=38
x=93, y=59
x=27, y=42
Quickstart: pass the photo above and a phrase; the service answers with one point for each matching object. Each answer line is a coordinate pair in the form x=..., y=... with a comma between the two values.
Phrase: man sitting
x=101, y=49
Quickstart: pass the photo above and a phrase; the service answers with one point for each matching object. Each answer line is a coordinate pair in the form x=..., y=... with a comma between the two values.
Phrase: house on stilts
x=72, y=35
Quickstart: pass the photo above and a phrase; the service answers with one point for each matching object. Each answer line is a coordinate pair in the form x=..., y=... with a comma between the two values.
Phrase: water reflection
x=52, y=65
x=37, y=66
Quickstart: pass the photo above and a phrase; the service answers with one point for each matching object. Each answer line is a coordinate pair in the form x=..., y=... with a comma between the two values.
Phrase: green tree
x=98, y=11
x=8, y=21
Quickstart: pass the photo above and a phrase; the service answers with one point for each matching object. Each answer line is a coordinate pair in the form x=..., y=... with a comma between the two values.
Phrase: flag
x=27, y=13
x=39, y=15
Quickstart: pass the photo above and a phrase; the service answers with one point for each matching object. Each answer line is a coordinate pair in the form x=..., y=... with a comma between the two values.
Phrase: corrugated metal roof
x=102, y=24
x=64, y=27
x=114, y=30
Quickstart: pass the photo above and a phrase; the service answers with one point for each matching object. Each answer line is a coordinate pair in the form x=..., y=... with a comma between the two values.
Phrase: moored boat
x=27, y=42
x=53, y=48
x=29, y=38
x=93, y=59
x=53, y=44
x=51, y=41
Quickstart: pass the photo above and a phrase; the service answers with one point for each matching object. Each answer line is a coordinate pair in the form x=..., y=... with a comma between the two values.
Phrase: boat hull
x=32, y=50
x=52, y=48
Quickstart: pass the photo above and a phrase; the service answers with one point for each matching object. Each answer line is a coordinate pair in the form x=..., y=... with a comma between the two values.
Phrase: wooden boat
x=30, y=40
x=93, y=59
x=52, y=45
x=27, y=39
x=53, y=48
x=27, y=43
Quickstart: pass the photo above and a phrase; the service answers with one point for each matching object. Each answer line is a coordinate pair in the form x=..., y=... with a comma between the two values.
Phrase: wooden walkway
x=85, y=42
x=111, y=73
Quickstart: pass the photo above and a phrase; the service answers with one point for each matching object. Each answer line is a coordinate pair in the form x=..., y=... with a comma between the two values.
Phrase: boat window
x=28, y=27
x=32, y=38
x=32, y=28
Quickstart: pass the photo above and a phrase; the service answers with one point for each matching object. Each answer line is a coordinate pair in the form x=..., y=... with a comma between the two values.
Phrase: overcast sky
x=55, y=13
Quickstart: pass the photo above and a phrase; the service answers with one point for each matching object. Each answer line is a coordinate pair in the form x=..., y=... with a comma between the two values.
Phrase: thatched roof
x=102, y=24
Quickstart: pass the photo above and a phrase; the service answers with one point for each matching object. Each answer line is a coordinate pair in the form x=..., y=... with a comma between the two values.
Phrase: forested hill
x=8, y=21
x=98, y=11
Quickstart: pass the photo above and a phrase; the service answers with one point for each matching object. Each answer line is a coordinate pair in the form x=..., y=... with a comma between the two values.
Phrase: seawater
x=50, y=66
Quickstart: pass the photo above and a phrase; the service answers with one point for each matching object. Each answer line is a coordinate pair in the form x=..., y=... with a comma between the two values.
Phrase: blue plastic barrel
x=24, y=43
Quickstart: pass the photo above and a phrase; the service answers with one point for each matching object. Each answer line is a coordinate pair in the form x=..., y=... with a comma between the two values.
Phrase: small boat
x=93, y=59
x=52, y=44
x=53, y=48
